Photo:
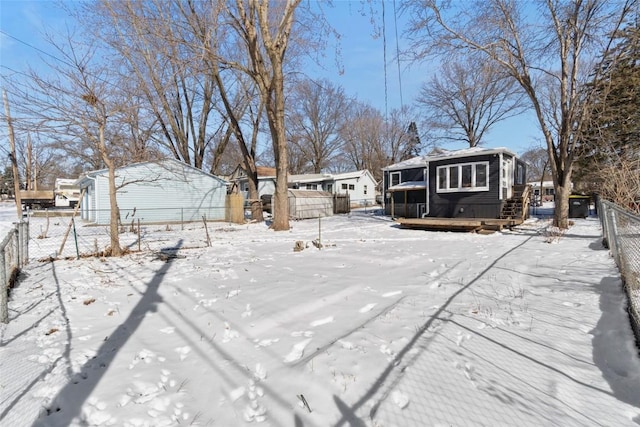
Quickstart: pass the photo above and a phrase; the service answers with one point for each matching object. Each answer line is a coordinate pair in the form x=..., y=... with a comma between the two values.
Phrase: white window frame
x=391, y=175
x=457, y=187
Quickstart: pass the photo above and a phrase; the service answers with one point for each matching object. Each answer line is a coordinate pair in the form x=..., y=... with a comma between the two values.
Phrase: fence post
x=24, y=232
x=16, y=245
x=613, y=233
x=4, y=309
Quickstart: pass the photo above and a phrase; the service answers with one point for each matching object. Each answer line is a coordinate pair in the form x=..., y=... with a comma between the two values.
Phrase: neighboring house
x=240, y=182
x=548, y=192
x=360, y=185
x=166, y=190
x=470, y=183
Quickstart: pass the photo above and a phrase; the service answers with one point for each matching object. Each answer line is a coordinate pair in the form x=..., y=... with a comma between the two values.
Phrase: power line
x=395, y=21
x=35, y=48
x=384, y=53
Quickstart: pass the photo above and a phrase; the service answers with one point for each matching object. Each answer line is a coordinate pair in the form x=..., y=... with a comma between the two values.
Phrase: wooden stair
x=517, y=207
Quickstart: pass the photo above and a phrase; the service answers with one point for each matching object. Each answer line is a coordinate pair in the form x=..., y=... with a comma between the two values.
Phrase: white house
x=548, y=191
x=166, y=190
x=360, y=185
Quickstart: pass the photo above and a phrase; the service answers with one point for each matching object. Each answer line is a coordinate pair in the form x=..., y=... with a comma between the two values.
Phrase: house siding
x=397, y=204
x=159, y=192
x=472, y=204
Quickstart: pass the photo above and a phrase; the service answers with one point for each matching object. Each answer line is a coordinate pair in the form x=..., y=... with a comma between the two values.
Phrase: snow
x=381, y=327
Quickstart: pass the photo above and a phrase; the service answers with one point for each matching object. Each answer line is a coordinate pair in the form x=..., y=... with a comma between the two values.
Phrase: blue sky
x=362, y=59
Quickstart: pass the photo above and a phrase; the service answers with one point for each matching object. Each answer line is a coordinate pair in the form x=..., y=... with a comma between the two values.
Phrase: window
x=352, y=187
x=549, y=191
x=394, y=178
x=463, y=177
x=330, y=188
x=466, y=175
x=312, y=186
x=365, y=190
x=344, y=186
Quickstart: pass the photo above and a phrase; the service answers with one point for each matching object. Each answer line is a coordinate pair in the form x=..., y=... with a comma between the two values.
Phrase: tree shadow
x=67, y=404
x=349, y=411
x=614, y=348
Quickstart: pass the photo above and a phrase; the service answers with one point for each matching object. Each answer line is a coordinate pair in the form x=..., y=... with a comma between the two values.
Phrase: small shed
x=305, y=204
x=161, y=191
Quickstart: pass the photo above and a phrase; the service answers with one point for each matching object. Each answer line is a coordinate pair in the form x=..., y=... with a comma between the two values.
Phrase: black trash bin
x=579, y=206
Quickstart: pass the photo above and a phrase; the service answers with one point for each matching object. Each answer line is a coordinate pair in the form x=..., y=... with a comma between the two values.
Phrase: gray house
x=161, y=191
x=471, y=183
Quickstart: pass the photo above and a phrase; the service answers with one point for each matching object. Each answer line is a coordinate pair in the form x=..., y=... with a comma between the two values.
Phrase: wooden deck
x=458, y=224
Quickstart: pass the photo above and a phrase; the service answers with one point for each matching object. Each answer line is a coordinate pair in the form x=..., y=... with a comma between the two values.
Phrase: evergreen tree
x=610, y=149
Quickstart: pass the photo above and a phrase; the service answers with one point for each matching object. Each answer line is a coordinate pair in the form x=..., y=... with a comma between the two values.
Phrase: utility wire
x=395, y=21
x=384, y=53
x=36, y=48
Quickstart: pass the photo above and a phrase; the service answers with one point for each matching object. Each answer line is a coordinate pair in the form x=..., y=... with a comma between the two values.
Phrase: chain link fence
x=621, y=234
x=14, y=254
x=57, y=236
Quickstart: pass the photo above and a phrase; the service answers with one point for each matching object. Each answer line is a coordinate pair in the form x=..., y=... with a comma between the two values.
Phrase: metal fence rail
x=14, y=254
x=621, y=234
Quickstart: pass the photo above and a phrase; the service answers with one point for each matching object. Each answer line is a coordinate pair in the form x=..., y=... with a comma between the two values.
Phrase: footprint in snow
x=400, y=399
x=144, y=355
x=297, y=351
x=571, y=304
x=367, y=308
x=266, y=342
x=391, y=294
x=183, y=352
x=247, y=312
x=321, y=321
x=168, y=330
x=233, y=293
x=94, y=413
x=307, y=334
x=229, y=333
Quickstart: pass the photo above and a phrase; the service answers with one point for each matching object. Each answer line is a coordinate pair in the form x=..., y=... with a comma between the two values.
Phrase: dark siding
x=480, y=204
x=407, y=208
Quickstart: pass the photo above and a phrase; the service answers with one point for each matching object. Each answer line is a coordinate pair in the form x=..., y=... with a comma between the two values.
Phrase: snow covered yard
x=381, y=327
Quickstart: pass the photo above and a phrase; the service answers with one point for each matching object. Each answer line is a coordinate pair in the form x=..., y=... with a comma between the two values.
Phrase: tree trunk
x=114, y=218
x=561, y=213
x=275, y=111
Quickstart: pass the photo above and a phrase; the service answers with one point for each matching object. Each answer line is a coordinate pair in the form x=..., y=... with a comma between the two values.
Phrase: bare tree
x=467, y=97
x=371, y=142
x=364, y=140
x=401, y=138
x=150, y=41
x=537, y=161
x=77, y=99
x=316, y=115
x=265, y=34
x=546, y=57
